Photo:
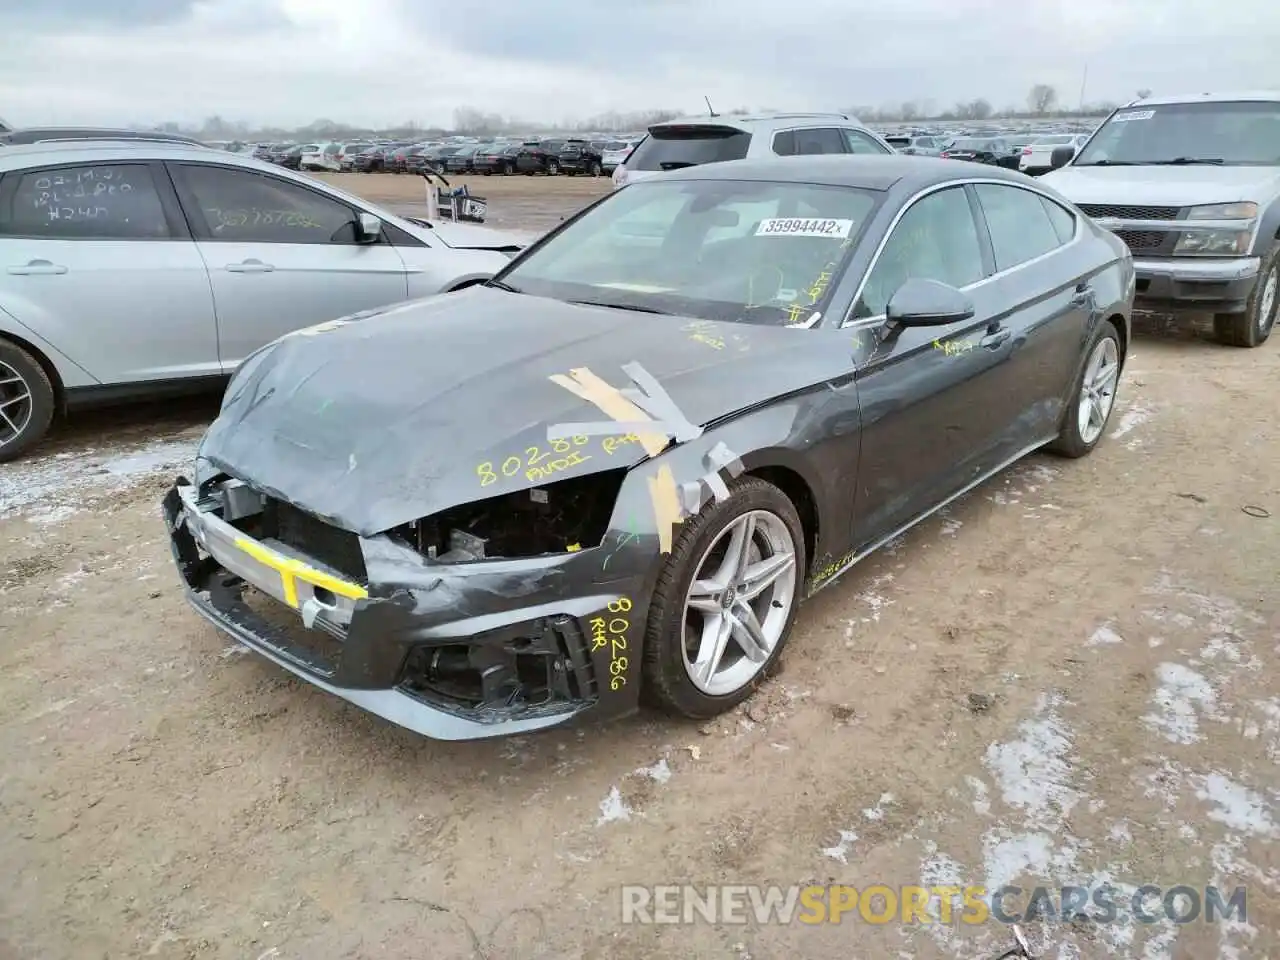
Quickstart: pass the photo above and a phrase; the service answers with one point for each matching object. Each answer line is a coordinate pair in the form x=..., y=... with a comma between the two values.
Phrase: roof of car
x=866, y=171
x=768, y=119
x=103, y=151
x=1264, y=96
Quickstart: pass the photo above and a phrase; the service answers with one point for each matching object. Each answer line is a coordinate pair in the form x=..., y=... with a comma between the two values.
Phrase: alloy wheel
x=739, y=602
x=16, y=404
x=1098, y=389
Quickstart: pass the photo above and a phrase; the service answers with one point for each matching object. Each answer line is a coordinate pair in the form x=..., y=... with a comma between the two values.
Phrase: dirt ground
x=1068, y=678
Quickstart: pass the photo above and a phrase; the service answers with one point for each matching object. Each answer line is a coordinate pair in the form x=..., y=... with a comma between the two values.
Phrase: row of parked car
x=549, y=155
x=1029, y=152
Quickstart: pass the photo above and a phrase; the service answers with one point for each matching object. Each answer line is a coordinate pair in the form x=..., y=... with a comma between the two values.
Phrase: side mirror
x=927, y=303
x=369, y=227
x=1061, y=156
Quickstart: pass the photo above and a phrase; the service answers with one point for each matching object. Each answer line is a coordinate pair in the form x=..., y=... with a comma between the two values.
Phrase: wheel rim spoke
x=716, y=629
x=749, y=635
x=759, y=576
x=704, y=596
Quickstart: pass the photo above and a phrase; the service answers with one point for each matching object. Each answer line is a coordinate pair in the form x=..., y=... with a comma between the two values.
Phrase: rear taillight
x=944, y=155
x=1026, y=151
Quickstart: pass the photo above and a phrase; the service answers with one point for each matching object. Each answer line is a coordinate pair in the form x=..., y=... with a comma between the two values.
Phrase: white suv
x=686, y=143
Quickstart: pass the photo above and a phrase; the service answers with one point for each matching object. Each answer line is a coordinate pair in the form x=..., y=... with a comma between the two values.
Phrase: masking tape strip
x=584, y=384
x=656, y=402
x=666, y=506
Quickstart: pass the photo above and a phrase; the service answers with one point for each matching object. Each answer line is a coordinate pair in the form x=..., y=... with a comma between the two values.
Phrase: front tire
x=26, y=401
x=725, y=602
x=1094, y=398
x=553, y=168
x=1254, y=326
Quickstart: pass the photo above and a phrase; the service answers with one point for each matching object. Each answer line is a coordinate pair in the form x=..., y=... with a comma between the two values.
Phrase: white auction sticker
x=804, y=227
x=1133, y=115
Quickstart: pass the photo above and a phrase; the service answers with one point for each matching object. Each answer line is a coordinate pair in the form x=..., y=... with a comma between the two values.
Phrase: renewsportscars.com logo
x=972, y=905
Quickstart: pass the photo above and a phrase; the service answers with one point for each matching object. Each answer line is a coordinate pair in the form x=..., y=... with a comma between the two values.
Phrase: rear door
x=1043, y=278
x=281, y=255
x=96, y=259
x=933, y=399
x=808, y=141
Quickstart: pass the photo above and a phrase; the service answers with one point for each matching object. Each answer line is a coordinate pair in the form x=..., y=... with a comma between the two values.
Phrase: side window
x=819, y=140
x=937, y=239
x=1019, y=224
x=856, y=141
x=1063, y=220
x=784, y=143
x=240, y=205
x=105, y=202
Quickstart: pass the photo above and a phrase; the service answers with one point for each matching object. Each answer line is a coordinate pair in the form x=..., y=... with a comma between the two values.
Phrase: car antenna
x=710, y=109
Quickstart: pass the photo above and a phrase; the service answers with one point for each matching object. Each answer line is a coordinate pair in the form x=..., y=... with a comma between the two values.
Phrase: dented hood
x=381, y=422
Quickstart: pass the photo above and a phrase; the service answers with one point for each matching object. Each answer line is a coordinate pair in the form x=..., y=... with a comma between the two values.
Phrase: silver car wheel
x=739, y=603
x=1098, y=389
x=15, y=404
x=1267, y=303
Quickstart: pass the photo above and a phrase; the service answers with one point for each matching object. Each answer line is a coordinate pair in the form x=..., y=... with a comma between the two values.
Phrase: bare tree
x=1042, y=99
x=909, y=111
x=1144, y=93
x=979, y=109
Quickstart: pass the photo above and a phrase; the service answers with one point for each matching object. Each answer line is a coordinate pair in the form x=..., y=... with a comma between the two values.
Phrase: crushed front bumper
x=382, y=644
x=1192, y=284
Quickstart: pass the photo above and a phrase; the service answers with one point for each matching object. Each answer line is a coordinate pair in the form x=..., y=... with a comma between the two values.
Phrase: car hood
x=383, y=421
x=1164, y=186
x=467, y=236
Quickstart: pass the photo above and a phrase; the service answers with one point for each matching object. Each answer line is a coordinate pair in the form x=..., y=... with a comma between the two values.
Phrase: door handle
x=995, y=338
x=250, y=266
x=1082, y=296
x=38, y=268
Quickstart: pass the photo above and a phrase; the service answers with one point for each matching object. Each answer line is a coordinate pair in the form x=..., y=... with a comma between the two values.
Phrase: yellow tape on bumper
x=291, y=571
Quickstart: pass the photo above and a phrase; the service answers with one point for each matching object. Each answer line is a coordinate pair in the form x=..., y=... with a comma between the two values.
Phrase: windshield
x=1237, y=132
x=687, y=145
x=748, y=251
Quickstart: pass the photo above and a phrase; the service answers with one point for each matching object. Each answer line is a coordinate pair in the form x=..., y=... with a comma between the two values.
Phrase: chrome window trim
x=849, y=322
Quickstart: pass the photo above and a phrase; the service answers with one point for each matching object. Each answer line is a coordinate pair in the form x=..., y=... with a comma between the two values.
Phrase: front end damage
x=500, y=616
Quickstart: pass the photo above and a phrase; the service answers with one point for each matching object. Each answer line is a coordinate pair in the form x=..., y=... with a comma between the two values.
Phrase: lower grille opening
x=531, y=667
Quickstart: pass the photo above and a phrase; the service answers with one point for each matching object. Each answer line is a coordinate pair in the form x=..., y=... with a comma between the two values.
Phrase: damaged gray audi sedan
x=615, y=470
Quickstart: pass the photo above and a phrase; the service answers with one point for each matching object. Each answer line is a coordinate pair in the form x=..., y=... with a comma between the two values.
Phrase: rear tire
x=1077, y=439
x=669, y=666
x=553, y=169
x=1254, y=326
x=28, y=398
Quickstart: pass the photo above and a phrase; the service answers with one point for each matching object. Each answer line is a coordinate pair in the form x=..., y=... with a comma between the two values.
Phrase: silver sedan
x=134, y=270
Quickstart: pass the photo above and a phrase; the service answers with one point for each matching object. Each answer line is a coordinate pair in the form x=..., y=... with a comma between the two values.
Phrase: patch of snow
x=1135, y=416
x=1103, y=636
x=1181, y=696
x=51, y=487
x=840, y=852
x=981, y=803
x=877, y=812
x=660, y=772
x=1236, y=806
x=1033, y=772
x=613, y=808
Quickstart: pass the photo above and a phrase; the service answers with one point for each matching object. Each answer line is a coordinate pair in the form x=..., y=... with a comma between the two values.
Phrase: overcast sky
x=382, y=62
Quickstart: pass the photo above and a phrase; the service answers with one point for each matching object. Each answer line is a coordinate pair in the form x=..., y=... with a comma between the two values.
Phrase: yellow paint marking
x=291, y=571
x=584, y=384
x=666, y=505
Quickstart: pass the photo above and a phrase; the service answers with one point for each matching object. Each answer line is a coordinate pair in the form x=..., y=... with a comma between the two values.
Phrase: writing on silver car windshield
x=746, y=251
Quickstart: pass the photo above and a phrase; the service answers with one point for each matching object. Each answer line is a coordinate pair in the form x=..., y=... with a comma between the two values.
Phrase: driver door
x=280, y=255
x=935, y=400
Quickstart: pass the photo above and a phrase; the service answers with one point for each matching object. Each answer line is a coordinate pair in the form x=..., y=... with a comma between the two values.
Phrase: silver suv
x=1192, y=185
x=134, y=269
x=686, y=143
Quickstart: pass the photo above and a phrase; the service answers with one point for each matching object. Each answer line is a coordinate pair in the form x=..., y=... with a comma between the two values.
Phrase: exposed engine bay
x=572, y=514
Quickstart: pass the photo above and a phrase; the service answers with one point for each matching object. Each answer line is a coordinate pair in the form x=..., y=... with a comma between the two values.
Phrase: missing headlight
x=571, y=514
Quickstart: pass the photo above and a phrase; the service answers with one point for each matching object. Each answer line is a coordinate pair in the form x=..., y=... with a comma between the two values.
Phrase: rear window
x=670, y=148
x=898, y=141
